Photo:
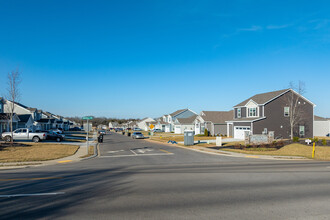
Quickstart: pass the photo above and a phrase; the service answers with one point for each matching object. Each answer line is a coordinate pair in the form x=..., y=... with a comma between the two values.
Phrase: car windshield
x=137, y=133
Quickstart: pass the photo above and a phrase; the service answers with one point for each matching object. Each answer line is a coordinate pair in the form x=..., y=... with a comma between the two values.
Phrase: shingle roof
x=318, y=118
x=189, y=120
x=43, y=120
x=263, y=97
x=24, y=118
x=218, y=117
x=247, y=119
x=32, y=109
x=178, y=112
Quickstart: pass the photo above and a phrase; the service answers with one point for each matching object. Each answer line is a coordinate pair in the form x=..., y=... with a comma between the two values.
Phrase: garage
x=177, y=129
x=239, y=131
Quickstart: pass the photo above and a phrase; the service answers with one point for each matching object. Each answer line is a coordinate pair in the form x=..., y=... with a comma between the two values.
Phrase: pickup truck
x=24, y=134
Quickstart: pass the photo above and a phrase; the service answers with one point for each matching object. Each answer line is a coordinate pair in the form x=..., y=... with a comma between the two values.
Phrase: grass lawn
x=321, y=152
x=23, y=152
x=165, y=137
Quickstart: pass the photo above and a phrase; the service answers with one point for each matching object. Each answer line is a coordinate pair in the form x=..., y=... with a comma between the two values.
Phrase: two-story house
x=5, y=118
x=167, y=122
x=273, y=111
x=213, y=121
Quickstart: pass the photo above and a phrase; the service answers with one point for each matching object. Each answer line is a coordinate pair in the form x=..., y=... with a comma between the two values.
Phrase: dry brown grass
x=321, y=153
x=165, y=137
x=326, y=138
x=36, y=152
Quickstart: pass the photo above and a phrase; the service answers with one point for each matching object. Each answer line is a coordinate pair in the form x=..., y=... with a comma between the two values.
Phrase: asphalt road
x=137, y=179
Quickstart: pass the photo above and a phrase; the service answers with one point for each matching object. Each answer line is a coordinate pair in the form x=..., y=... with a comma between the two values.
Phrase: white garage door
x=239, y=131
x=177, y=129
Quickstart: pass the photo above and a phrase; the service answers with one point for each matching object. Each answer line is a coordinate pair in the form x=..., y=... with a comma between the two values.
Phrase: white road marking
x=32, y=194
x=133, y=152
x=114, y=151
x=142, y=151
x=137, y=155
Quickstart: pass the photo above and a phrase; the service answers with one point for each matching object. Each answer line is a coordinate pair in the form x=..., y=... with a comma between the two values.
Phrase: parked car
x=24, y=134
x=75, y=129
x=137, y=135
x=57, y=130
x=102, y=132
x=51, y=135
x=137, y=129
x=157, y=130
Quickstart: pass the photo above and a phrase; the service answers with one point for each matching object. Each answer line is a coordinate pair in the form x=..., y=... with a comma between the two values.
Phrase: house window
x=286, y=111
x=238, y=113
x=0, y=107
x=253, y=112
x=302, y=131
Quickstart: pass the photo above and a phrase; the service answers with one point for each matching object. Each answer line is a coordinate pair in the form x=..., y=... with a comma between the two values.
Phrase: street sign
x=151, y=126
x=87, y=118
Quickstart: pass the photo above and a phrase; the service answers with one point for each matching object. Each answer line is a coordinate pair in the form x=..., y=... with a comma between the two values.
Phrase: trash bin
x=100, y=139
x=189, y=138
x=123, y=133
x=128, y=134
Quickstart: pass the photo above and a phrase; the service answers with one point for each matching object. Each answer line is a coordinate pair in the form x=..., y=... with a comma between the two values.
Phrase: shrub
x=206, y=132
x=237, y=146
x=315, y=140
x=295, y=139
x=324, y=142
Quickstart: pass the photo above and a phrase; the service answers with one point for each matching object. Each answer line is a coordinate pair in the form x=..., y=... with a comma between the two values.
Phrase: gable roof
x=318, y=118
x=262, y=98
x=43, y=120
x=178, y=112
x=189, y=120
x=217, y=117
x=24, y=118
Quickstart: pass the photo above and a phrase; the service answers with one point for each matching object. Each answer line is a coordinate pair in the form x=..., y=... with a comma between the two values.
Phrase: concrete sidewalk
x=82, y=151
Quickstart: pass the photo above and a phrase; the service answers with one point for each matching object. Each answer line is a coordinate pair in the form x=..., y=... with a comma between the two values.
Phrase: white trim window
x=253, y=112
x=239, y=113
x=286, y=111
x=302, y=131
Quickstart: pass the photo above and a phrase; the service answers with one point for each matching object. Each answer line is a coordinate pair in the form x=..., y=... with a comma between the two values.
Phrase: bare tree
x=13, y=95
x=295, y=111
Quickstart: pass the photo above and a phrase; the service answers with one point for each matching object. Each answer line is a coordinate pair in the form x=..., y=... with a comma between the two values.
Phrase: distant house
x=270, y=111
x=5, y=122
x=145, y=123
x=167, y=121
x=214, y=122
x=25, y=121
x=321, y=126
x=113, y=124
x=5, y=118
x=184, y=124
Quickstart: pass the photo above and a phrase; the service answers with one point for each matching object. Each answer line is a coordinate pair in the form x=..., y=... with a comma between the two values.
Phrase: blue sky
x=148, y=58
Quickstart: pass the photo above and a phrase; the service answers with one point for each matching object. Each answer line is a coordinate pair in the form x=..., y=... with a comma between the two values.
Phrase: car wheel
x=7, y=138
x=36, y=139
x=58, y=139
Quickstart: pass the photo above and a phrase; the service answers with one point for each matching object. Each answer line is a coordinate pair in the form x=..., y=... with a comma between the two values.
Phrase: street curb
x=230, y=154
x=96, y=153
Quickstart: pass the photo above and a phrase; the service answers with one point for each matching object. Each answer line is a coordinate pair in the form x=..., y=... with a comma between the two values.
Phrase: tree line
x=101, y=120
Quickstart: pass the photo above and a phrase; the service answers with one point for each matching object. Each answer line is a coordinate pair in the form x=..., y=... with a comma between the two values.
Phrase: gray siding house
x=321, y=126
x=169, y=120
x=214, y=122
x=271, y=111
